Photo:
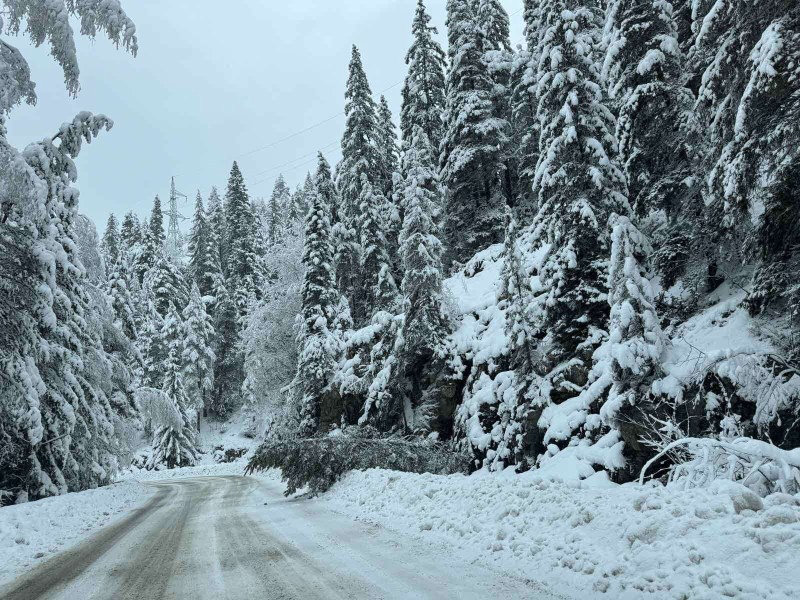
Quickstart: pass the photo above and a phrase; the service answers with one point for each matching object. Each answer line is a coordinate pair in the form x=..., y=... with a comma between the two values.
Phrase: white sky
x=210, y=86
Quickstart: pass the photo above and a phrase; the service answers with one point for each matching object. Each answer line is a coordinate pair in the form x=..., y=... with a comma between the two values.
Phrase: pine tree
x=361, y=142
x=119, y=293
x=637, y=342
x=217, y=234
x=166, y=283
x=579, y=188
x=387, y=147
x=471, y=148
x=642, y=71
x=110, y=246
x=149, y=343
x=424, y=87
x=280, y=214
x=746, y=64
x=308, y=197
x=240, y=273
x=379, y=289
x=524, y=135
x=425, y=325
x=198, y=242
x=198, y=357
x=130, y=233
x=51, y=443
x=325, y=187
x=229, y=360
x=73, y=414
x=153, y=243
x=318, y=346
x=174, y=440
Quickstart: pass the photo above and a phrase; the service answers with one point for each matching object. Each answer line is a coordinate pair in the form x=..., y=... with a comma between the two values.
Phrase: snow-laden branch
x=738, y=459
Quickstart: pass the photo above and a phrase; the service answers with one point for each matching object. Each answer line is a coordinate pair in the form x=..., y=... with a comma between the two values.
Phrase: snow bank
x=32, y=532
x=202, y=470
x=593, y=538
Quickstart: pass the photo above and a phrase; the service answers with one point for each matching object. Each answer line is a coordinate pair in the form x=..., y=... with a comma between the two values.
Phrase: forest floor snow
x=593, y=538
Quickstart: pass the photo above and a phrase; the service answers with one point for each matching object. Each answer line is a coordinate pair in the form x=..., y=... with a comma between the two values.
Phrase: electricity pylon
x=174, y=237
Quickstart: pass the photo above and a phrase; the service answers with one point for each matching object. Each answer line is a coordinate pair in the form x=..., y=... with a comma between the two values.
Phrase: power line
x=310, y=127
x=303, y=164
x=290, y=162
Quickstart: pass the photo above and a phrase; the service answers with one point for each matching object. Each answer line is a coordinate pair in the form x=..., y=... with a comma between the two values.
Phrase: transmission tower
x=174, y=237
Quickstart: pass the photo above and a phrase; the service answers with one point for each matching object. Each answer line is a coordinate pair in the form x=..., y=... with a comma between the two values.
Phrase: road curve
x=239, y=538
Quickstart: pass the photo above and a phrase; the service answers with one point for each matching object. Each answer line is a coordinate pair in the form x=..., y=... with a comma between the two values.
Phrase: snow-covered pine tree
x=579, y=188
x=524, y=128
x=149, y=342
x=319, y=345
x=636, y=342
x=425, y=326
x=241, y=275
x=424, y=87
x=399, y=392
x=326, y=187
x=361, y=141
x=499, y=59
x=360, y=162
x=379, y=291
x=308, y=198
x=642, y=73
x=280, y=204
x=153, y=242
x=130, y=233
x=387, y=146
x=48, y=446
x=174, y=439
x=471, y=147
x=197, y=248
x=110, y=245
x=229, y=360
x=76, y=417
x=166, y=283
x=198, y=357
x=217, y=236
x=745, y=55
x=121, y=299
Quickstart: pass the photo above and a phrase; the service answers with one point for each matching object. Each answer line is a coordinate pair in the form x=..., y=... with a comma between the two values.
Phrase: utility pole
x=174, y=245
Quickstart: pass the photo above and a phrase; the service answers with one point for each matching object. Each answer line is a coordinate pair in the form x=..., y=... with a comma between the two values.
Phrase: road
x=239, y=538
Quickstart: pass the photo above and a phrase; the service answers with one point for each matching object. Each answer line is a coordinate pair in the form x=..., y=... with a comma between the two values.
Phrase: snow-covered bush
x=760, y=466
x=318, y=462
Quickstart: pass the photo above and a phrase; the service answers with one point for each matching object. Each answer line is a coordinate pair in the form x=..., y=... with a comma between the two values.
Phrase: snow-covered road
x=237, y=537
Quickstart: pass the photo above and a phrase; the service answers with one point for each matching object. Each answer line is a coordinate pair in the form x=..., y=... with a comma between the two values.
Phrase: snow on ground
x=594, y=538
x=34, y=531
x=207, y=469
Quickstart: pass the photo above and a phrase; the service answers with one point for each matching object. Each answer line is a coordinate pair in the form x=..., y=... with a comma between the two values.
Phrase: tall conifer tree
x=174, y=440
x=471, y=149
x=198, y=357
x=110, y=244
x=425, y=325
x=579, y=188
x=424, y=87
x=240, y=228
x=318, y=347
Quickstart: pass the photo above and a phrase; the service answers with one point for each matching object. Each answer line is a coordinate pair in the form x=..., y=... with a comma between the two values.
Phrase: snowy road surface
x=237, y=537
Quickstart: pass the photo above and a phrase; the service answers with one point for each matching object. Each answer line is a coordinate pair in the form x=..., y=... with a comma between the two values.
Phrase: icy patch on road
x=595, y=539
x=32, y=532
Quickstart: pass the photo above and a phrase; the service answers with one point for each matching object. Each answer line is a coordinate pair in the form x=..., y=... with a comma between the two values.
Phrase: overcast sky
x=210, y=86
